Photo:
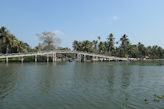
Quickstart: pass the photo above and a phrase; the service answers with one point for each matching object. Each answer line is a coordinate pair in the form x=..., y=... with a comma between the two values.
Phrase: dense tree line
x=121, y=48
x=10, y=44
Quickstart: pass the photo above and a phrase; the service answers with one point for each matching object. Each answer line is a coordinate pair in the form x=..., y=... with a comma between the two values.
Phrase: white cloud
x=58, y=33
x=115, y=18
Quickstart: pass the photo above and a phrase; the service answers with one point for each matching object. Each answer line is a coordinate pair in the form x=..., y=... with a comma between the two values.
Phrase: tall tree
x=160, y=52
x=94, y=43
x=101, y=47
x=133, y=51
x=141, y=50
x=110, y=43
x=49, y=40
x=87, y=46
x=99, y=38
x=125, y=43
x=75, y=45
x=4, y=39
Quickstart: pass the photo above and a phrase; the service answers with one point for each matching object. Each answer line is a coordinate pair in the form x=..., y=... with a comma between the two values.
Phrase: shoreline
x=75, y=60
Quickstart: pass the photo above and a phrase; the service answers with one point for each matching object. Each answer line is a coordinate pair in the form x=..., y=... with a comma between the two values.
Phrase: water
x=81, y=85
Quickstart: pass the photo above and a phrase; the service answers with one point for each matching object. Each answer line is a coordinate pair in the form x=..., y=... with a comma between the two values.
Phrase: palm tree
x=124, y=45
x=101, y=47
x=75, y=45
x=141, y=49
x=5, y=39
x=133, y=51
x=99, y=38
x=94, y=42
x=110, y=43
x=3, y=32
x=160, y=52
x=87, y=46
x=9, y=43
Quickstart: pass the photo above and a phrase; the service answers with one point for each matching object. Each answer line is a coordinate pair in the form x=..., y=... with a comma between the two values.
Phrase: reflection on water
x=7, y=80
x=81, y=85
x=125, y=78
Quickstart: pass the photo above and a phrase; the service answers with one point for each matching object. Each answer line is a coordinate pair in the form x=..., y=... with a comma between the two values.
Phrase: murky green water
x=81, y=85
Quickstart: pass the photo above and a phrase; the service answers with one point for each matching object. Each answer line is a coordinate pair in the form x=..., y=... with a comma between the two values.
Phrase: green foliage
x=10, y=44
x=126, y=98
x=121, y=48
x=159, y=96
x=110, y=44
x=85, y=46
x=146, y=100
x=49, y=41
x=157, y=99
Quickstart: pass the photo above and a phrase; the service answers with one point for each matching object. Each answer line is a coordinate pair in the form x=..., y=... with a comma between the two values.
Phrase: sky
x=141, y=20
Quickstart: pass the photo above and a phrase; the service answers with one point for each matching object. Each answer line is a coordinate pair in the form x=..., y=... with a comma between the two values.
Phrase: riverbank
x=63, y=59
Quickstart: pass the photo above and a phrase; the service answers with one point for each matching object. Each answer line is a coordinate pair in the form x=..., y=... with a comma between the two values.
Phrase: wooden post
x=22, y=59
x=35, y=58
x=92, y=58
x=85, y=58
x=79, y=57
x=47, y=58
x=7, y=60
x=101, y=59
x=54, y=57
x=97, y=58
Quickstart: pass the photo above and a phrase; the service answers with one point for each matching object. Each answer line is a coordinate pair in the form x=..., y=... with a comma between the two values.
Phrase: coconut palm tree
x=141, y=50
x=5, y=39
x=87, y=46
x=9, y=43
x=125, y=43
x=75, y=45
x=110, y=43
x=94, y=43
x=99, y=38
